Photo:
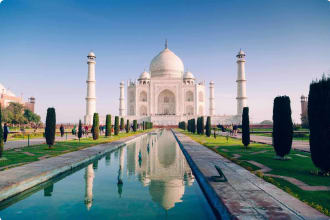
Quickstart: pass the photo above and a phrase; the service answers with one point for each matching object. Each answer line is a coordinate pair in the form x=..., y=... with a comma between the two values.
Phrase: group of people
x=233, y=129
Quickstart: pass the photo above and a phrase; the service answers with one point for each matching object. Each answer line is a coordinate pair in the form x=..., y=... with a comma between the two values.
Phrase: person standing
x=5, y=132
x=62, y=130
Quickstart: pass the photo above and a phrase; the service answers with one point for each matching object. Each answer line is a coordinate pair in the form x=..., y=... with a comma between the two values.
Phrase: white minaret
x=241, y=83
x=121, y=100
x=90, y=98
x=212, y=105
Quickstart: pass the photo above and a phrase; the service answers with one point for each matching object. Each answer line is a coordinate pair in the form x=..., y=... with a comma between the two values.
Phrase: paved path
x=34, y=141
x=243, y=195
x=296, y=145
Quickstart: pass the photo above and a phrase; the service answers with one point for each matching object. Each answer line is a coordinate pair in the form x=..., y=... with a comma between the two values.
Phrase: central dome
x=166, y=64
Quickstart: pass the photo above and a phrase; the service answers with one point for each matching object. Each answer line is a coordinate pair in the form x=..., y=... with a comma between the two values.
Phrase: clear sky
x=44, y=44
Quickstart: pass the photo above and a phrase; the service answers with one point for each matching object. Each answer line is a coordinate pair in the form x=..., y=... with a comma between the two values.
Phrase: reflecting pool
x=147, y=179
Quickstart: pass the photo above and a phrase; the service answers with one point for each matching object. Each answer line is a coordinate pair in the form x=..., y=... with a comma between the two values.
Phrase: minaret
x=121, y=100
x=90, y=98
x=241, y=83
x=212, y=105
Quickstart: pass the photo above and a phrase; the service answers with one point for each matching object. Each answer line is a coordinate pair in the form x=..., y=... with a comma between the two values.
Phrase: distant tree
x=134, y=125
x=79, y=130
x=1, y=134
x=208, y=126
x=245, y=127
x=319, y=123
x=30, y=116
x=127, y=126
x=116, y=125
x=122, y=124
x=108, y=126
x=96, y=126
x=266, y=122
x=13, y=114
x=282, y=126
x=50, y=128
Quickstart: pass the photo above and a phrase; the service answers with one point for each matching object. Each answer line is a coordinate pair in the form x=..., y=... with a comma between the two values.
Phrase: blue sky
x=44, y=43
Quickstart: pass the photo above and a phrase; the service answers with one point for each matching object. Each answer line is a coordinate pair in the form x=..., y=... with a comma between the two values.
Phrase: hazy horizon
x=44, y=45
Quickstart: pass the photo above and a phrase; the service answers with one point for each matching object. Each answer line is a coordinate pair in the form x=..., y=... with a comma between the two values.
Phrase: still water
x=147, y=179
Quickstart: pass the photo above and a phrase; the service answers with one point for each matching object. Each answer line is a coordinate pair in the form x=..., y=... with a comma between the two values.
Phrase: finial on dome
x=165, y=43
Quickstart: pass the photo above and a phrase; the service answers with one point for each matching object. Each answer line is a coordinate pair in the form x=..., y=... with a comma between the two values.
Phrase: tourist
x=5, y=132
x=86, y=130
x=62, y=130
x=235, y=130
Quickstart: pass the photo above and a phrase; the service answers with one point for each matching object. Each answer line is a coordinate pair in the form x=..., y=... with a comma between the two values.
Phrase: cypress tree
x=193, y=126
x=122, y=124
x=202, y=125
x=245, y=127
x=184, y=125
x=282, y=126
x=127, y=126
x=134, y=125
x=108, y=125
x=319, y=123
x=50, y=128
x=79, y=130
x=198, y=125
x=96, y=126
x=116, y=125
x=1, y=134
x=208, y=126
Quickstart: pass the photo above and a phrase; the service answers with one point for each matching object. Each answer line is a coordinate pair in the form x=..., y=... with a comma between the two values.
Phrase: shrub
x=127, y=126
x=282, y=126
x=122, y=123
x=116, y=125
x=108, y=126
x=319, y=123
x=193, y=126
x=134, y=125
x=202, y=126
x=50, y=127
x=96, y=126
x=1, y=134
x=208, y=126
x=245, y=127
x=79, y=130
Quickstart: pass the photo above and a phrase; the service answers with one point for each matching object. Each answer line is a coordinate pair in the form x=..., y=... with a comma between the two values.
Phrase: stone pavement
x=34, y=141
x=19, y=179
x=243, y=195
x=296, y=145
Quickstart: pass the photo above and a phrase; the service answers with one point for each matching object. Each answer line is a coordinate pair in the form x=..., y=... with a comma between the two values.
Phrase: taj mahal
x=167, y=94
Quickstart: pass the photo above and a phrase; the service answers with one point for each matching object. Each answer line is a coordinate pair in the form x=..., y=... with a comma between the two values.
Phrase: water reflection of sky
x=147, y=179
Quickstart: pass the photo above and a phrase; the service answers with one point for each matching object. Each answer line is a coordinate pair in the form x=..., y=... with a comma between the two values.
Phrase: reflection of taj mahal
x=167, y=94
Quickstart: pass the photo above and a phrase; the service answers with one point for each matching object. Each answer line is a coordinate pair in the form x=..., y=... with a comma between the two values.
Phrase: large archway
x=166, y=103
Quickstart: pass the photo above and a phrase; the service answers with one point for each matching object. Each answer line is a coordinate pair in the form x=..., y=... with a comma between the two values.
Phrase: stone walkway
x=296, y=145
x=34, y=141
x=243, y=195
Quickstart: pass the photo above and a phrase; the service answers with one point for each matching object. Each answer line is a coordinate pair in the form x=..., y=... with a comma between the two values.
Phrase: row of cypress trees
x=191, y=126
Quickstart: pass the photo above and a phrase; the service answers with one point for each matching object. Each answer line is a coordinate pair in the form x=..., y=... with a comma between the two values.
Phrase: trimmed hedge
x=134, y=125
x=116, y=125
x=79, y=130
x=108, y=125
x=245, y=127
x=122, y=124
x=282, y=126
x=50, y=128
x=319, y=123
x=96, y=126
x=208, y=126
x=127, y=127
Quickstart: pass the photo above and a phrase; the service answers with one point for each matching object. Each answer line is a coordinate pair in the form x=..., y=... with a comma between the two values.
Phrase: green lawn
x=298, y=167
x=16, y=157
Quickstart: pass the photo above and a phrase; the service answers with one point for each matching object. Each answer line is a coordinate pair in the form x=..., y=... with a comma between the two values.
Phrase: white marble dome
x=166, y=64
x=188, y=75
x=144, y=75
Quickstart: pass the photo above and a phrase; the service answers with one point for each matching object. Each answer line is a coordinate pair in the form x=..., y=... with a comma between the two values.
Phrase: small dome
x=188, y=75
x=166, y=64
x=91, y=54
x=144, y=75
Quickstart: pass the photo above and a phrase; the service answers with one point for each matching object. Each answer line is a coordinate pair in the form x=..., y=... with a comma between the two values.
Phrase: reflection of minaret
x=89, y=177
x=120, y=171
